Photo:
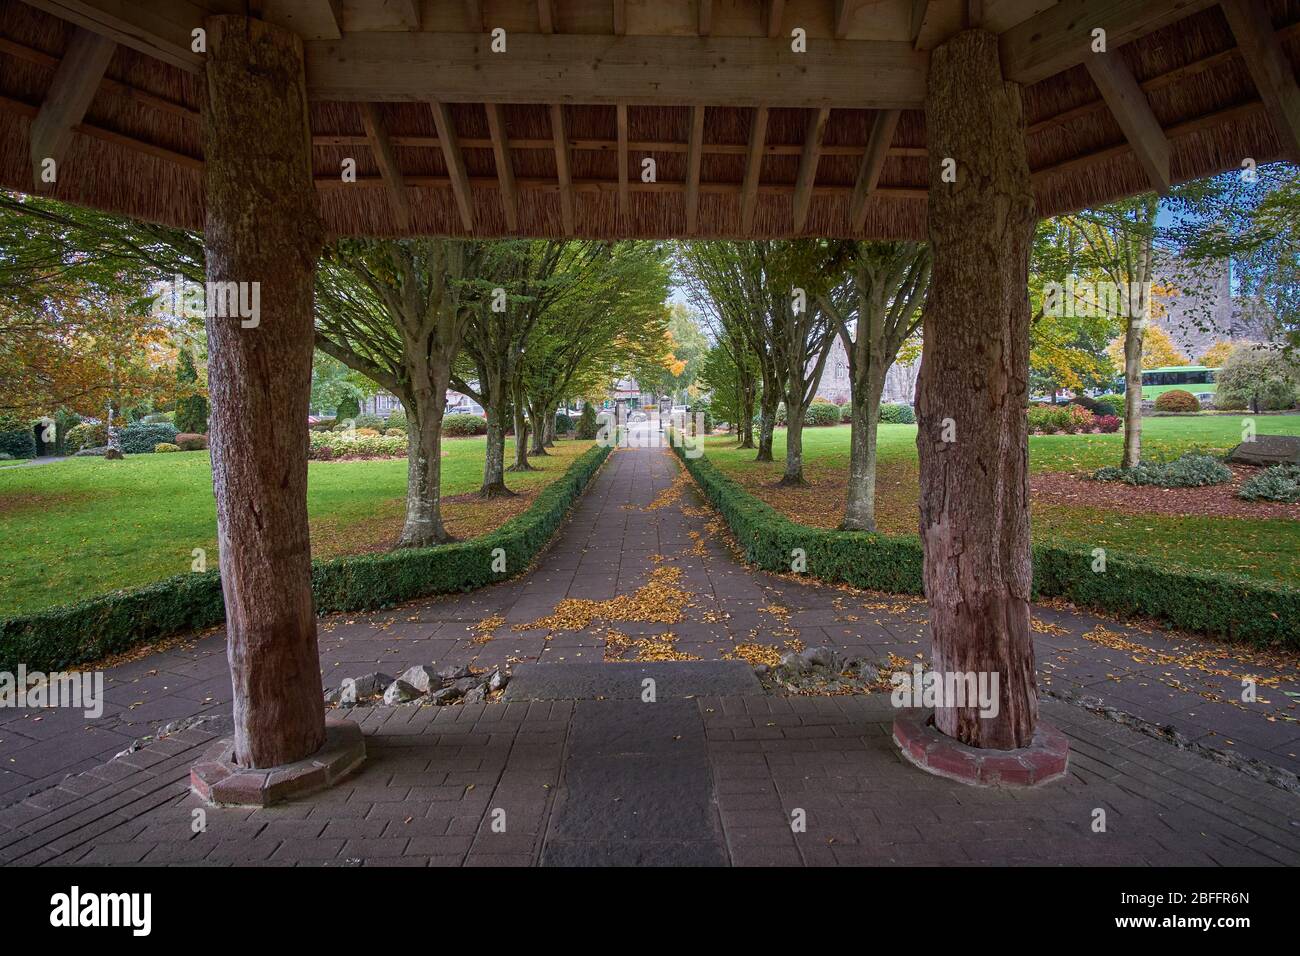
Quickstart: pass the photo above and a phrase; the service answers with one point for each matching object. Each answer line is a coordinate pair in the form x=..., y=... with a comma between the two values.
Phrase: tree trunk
x=425, y=406
x=494, y=479
x=537, y=434
x=972, y=437
x=262, y=227
x=766, y=426
x=747, y=415
x=1133, y=336
x=794, y=415
x=521, y=438
x=864, y=419
x=549, y=438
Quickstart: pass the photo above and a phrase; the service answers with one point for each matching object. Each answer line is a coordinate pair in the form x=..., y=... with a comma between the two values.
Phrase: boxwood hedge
x=1203, y=601
x=72, y=634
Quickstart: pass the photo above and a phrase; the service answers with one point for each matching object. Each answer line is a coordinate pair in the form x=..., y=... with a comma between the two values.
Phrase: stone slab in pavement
x=626, y=681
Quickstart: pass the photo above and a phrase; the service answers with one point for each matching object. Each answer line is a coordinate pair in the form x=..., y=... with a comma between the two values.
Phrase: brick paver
x=434, y=775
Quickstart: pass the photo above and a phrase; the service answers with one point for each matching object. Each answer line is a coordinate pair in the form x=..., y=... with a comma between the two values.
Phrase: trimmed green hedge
x=1202, y=601
x=72, y=634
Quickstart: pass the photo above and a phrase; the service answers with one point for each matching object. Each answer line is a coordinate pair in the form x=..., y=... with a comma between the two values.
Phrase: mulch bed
x=1212, y=501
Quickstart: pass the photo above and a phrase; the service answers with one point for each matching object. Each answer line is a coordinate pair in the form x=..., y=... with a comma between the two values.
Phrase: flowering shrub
x=1107, y=423
x=325, y=447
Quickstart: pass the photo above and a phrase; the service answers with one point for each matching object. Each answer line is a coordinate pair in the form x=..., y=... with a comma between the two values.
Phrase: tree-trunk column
x=262, y=230
x=972, y=439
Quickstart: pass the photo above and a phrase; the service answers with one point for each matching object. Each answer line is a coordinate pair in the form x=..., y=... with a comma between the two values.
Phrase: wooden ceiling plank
x=310, y=19
x=775, y=11
x=883, y=126
x=1270, y=69
x=694, y=154
x=563, y=173
x=455, y=161
x=157, y=28
x=620, y=18
x=505, y=165
x=75, y=83
x=1129, y=105
x=753, y=170
x=546, y=16
x=812, y=146
x=706, y=17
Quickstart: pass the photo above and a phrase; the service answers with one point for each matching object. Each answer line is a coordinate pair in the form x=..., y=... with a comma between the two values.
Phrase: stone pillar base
x=220, y=782
x=923, y=745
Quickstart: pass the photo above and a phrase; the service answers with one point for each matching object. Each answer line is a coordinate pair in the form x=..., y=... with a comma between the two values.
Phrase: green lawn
x=77, y=528
x=1267, y=548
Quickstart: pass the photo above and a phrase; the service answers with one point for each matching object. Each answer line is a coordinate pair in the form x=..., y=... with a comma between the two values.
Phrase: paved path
x=641, y=516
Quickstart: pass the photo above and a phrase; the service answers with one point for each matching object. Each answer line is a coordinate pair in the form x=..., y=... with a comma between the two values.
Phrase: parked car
x=466, y=408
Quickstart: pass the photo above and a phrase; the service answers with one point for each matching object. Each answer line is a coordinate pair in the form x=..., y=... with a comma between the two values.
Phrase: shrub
x=1210, y=602
x=587, y=424
x=85, y=435
x=1192, y=470
x=165, y=446
x=846, y=412
x=1048, y=419
x=191, y=442
x=366, y=432
x=897, y=414
x=373, y=422
x=821, y=414
x=1079, y=419
x=360, y=446
x=139, y=438
x=64, y=636
x=16, y=439
x=395, y=432
x=397, y=419
x=5, y=456
x=462, y=426
x=1276, y=483
x=1177, y=400
x=1107, y=423
x=1113, y=402
x=1091, y=404
x=563, y=423
x=705, y=409
x=1257, y=373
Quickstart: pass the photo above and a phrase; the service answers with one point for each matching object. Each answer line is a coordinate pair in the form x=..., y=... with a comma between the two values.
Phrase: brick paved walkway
x=830, y=757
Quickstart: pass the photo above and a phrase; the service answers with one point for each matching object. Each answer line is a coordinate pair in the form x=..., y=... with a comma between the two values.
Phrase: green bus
x=1197, y=379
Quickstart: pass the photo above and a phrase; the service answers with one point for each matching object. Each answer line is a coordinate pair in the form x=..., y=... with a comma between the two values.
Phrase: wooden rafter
x=620, y=18
x=1270, y=69
x=409, y=11
x=844, y=10
x=451, y=155
x=693, y=156
x=753, y=169
x=75, y=83
x=774, y=12
x=624, y=195
x=873, y=160
x=505, y=165
x=546, y=16
x=1128, y=104
x=563, y=173
x=812, y=146
x=706, y=17
x=386, y=160
x=474, y=14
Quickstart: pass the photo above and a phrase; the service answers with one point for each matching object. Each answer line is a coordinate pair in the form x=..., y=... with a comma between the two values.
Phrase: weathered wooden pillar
x=262, y=232
x=973, y=392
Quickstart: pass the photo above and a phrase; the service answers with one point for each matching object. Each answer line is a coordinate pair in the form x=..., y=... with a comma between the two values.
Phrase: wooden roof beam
x=474, y=14
x=844, y=11
x=1128, y=104
x=812, y=146
x=1270, y=69
x=873, y=161
x=563, y=173
x=505, y=165
x=451, y=155
x=310, y=19
x=753, y=169
x=693, y=156
x=1061, y=36
x=546, y=16
x=387, y=162
x=592, y=70
x=620, y=18
x=157, y=28
x=75, y=83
